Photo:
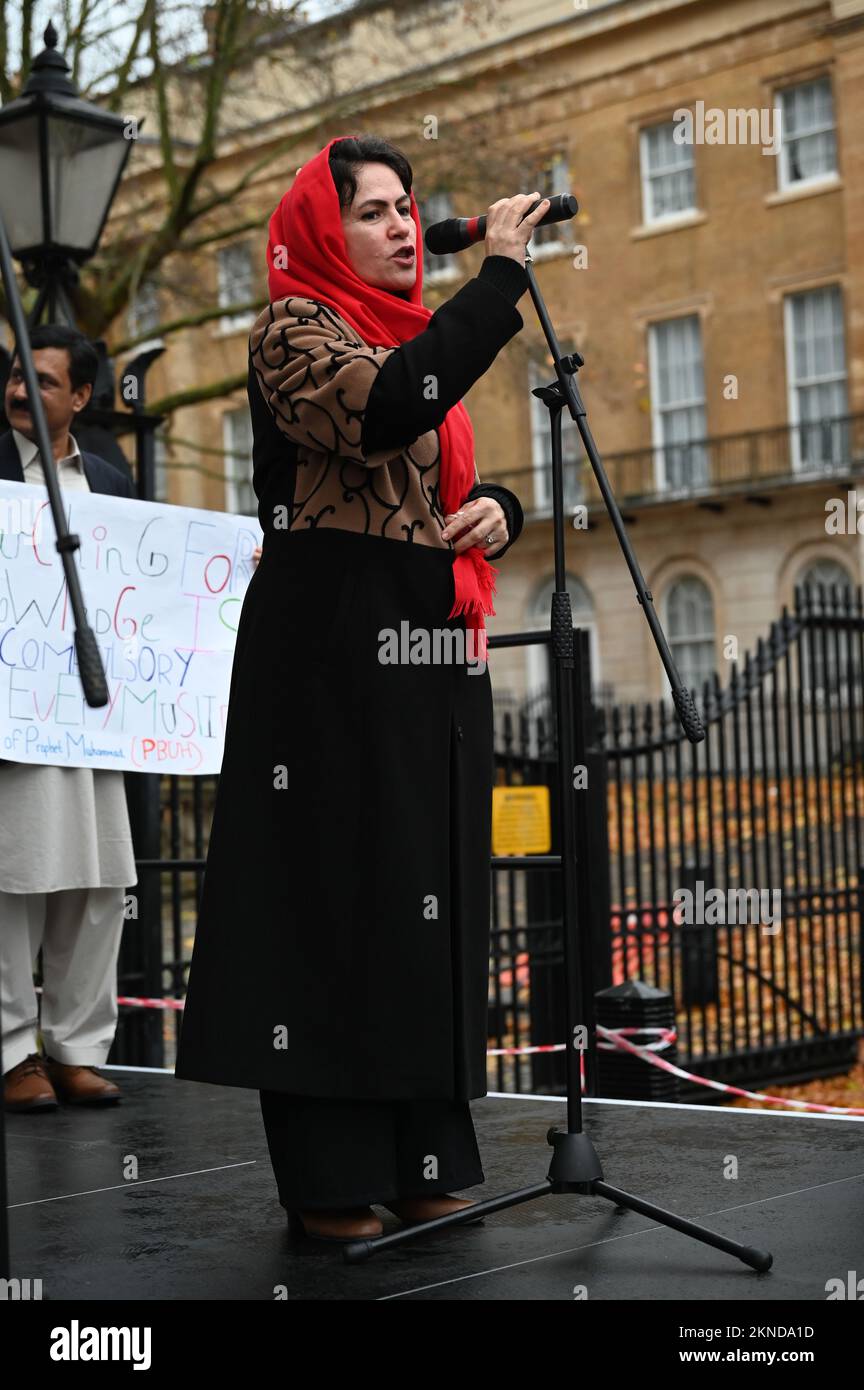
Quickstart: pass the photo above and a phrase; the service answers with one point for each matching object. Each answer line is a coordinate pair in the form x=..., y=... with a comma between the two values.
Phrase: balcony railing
x=701, y=468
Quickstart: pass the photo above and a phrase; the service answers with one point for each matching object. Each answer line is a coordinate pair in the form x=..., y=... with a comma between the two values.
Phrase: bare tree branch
x=163, y=330
x=6, y=91
x=124, y=70
x=161, y=99
x=26, y=40
x=254, y=224
x=75, y=36
x=214, y=390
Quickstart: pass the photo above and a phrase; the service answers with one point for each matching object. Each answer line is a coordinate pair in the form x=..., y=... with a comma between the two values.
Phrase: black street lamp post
x=54, y=221
x=61, y=161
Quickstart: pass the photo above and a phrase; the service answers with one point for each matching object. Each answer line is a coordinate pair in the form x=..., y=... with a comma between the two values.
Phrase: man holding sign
x=66, y=855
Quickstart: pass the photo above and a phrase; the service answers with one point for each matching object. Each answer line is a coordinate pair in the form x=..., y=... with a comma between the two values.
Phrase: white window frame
x=648, y=175
x=573, y=469
x=826, y=562
x=658, y=411
x=677, y=640
x=437, y=207
x=233, y=483
x=812, y=674
x=794, y=385
x=557, y=238
x=231, y=323
x=143, y=313
x=785, y=181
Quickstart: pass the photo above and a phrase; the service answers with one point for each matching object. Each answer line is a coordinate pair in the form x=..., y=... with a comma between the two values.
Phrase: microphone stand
x=575, y=1165
x=89, y=661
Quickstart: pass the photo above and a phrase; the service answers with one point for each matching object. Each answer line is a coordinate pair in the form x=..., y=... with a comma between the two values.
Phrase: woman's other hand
x=473, y=522
x=256, y=555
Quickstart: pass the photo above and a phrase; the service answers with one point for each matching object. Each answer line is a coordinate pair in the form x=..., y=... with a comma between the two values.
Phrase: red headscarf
x=307, y=225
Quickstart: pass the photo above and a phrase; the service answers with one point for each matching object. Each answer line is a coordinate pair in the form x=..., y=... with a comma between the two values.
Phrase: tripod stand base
x=760, y=1260
x=575, y=1167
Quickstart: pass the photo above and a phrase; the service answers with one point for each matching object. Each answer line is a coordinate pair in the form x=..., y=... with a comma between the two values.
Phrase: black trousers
x=347, y=1153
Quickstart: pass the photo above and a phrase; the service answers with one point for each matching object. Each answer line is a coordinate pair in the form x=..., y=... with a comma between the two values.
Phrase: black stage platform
x=202, y=1221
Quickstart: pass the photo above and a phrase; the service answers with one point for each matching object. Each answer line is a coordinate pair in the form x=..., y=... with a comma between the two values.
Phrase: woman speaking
x=341, y=959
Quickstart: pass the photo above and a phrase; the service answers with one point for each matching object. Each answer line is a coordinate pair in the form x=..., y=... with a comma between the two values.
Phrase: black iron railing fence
x=762, y=825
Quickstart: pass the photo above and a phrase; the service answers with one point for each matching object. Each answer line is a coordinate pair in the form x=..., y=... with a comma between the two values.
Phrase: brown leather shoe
x=27, y=1086
x=338, y=1224
x=415, y=1210
x=81, y=1085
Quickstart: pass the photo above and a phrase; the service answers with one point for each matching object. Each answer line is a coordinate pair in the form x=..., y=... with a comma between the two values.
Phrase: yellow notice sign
x=520, y=820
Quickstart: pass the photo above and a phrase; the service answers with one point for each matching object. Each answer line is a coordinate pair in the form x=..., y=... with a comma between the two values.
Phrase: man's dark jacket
x=101, y=476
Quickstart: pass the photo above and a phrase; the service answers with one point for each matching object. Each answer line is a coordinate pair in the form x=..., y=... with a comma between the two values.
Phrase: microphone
x=456, y=233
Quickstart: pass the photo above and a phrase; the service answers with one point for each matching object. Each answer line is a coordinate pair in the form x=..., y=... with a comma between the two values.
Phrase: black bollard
x=621, y=1075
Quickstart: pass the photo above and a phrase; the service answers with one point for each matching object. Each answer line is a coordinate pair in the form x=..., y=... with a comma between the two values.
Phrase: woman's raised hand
x=506, y=235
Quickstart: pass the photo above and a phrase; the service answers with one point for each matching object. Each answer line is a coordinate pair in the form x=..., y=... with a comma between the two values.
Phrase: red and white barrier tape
x=143, y=1003
x=610, y=1040
x=152, y=1003
x=614, y=1040
x=665, y=1037
x=614, y=1034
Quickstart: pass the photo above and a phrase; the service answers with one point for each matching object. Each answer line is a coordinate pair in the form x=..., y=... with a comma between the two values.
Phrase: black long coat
x=343, y=941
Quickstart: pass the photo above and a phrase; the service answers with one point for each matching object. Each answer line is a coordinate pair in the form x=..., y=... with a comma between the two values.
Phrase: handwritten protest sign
x=163, y=587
